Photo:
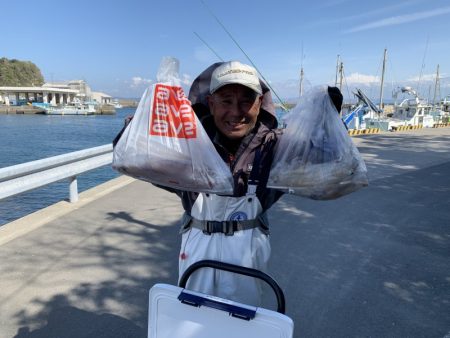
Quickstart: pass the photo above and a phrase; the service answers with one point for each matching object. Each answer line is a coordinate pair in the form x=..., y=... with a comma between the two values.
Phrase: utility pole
x=341, y=75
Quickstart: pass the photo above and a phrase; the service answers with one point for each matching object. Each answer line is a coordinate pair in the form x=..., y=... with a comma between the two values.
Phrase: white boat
x=409, y=112
x=444, y=111
x=412, y=111
x=117, y=104
x=71, y=109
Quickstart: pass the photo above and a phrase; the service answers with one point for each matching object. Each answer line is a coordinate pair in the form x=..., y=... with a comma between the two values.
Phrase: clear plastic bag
x=166, y=144
x=315, y=156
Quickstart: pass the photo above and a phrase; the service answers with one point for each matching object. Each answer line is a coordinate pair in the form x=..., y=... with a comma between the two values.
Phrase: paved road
x=375, y=263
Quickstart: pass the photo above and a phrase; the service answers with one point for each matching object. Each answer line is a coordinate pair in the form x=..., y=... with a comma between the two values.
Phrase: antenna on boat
x=248, y=58
x=212, y=50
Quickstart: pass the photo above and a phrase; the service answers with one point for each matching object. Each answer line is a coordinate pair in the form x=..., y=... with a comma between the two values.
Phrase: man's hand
x=336, y=97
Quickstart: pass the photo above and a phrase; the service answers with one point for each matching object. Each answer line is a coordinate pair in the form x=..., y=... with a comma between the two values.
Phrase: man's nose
x=236, y=108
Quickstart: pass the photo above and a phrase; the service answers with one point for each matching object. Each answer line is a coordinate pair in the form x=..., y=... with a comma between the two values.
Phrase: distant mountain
x=17, y=73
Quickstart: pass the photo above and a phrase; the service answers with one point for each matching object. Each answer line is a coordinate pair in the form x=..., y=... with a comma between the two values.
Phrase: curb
x=353, y=132
x=35, y=220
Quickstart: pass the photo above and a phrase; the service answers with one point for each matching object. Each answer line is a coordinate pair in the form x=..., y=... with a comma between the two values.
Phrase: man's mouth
x=234, y=124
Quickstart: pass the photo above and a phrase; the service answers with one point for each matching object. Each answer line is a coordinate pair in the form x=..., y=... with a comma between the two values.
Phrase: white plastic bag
x=166, y=144
x=315, y=156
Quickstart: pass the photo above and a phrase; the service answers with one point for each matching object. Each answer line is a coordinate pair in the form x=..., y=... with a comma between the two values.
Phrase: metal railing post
x=73, y=189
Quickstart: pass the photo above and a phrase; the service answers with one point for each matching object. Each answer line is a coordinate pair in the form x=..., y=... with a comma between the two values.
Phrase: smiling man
x=237, y=111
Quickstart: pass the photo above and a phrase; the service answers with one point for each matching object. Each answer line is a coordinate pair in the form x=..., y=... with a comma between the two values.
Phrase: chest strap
x=225, y=227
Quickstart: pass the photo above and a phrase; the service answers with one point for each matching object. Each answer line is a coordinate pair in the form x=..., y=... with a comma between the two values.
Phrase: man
x=236, y=109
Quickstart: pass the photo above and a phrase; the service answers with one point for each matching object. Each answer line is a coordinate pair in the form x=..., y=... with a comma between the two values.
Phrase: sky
x=117, y=46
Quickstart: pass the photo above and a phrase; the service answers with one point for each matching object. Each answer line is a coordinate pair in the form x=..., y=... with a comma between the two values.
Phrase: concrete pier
x=371, y=264
x=21, y=110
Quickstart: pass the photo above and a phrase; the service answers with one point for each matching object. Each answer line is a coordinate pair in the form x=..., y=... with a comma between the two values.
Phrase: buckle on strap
x=224, y=227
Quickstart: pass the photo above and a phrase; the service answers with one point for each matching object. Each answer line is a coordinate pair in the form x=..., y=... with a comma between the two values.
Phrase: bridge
x=371, y=264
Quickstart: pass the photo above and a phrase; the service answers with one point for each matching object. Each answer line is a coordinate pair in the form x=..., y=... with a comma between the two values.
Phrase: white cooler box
x=175, y=312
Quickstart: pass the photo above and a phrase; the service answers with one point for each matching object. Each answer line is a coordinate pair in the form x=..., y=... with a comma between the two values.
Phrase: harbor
x=71, y=98
x=371, y=264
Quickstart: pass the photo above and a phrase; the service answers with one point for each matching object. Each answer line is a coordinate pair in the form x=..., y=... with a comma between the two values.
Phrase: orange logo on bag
x=172, y=114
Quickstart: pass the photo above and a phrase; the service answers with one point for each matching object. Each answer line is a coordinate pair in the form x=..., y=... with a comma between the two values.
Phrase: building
x=101, y=98
x=22, y=95
x=53, y=93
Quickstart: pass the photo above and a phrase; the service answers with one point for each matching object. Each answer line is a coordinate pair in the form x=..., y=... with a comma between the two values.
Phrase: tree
x=17, y=73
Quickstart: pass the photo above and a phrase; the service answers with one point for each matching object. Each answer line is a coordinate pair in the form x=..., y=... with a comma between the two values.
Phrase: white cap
x=234, y=72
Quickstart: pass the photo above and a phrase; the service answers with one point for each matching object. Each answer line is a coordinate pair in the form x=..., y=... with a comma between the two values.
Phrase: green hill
x=17, y=73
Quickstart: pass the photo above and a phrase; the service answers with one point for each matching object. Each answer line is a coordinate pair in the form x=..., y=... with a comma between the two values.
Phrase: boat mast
x=337, y=70
x=382, y=79
x=301, y=81
x=301, y=75
x=341, y=75
x=436, y=86
x=340, y=71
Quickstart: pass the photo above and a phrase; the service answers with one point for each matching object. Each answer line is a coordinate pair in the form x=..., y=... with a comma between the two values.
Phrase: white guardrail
x=24, y=177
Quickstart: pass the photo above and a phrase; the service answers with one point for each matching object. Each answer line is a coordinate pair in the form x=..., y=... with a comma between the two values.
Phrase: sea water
x=25, y=138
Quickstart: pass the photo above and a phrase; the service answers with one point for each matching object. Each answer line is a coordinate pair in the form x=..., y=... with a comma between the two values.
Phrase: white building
x=53, y=93
x=101, y=98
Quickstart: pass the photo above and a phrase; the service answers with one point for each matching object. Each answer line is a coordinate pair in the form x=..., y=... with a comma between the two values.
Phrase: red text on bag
x=172, y=114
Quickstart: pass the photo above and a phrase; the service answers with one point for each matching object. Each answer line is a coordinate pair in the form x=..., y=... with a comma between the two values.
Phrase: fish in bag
x=166, y=144
x=315, y=156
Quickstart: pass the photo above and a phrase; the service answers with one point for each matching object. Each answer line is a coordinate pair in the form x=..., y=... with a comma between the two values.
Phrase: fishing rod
x=248, y=58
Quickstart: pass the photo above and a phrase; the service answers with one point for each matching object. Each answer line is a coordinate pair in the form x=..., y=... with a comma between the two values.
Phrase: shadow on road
x=127, y=255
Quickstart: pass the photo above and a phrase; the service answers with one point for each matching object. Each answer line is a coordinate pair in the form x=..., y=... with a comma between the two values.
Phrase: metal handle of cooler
x=239, y=270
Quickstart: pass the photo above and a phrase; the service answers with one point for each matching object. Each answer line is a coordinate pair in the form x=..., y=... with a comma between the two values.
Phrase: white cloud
x=400, y=19
x=138, y=81
x=362, y=79
x=424, y=77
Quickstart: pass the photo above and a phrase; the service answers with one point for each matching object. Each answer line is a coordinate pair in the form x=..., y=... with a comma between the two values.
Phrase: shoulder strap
x=263, y=158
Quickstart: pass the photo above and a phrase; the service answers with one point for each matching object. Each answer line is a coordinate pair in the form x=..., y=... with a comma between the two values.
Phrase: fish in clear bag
x=315, y=156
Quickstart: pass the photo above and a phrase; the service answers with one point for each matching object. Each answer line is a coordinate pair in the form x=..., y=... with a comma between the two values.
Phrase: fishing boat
x=71, y=109
x=411, y=111
x=117, y=104
x=445, y=104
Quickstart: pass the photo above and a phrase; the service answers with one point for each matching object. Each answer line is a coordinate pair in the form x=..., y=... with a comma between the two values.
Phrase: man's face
x=235, y=109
